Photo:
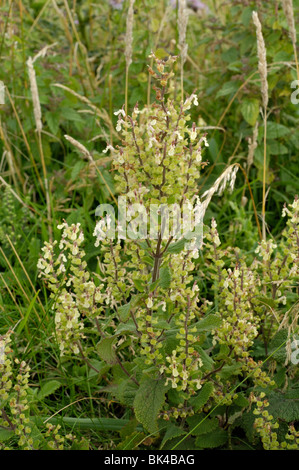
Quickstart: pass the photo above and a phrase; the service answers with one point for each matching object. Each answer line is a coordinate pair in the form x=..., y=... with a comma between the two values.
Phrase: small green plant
x=17, y=425
x=177, y=360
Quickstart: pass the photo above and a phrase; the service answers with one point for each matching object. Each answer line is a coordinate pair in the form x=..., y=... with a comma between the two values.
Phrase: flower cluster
x=14, y=408
x=267, y=427
x=73, y=291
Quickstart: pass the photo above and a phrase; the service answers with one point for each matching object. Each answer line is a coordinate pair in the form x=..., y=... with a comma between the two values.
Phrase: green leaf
x=241, y=401
x=5, y=434
x=106, y=351
x=130, y=442
x=199, y=424
x=267, y=301
x=208, y=323
x=171, y=432
x=275, y=130
x=139, y=285
x=207, y=361
x=250, y=109
x=52, y=119
x=148, y=260
x=48, y=389
x=77, y=168
x=284, y=405
x=277, y=346
x=148, y=402
x=124, y=312
x=230, y=370
x=246, y=16
x=216, y=438
x=176, y=247
x=203, y=395
x=153, y=285
x=164, y=277
x=128, y=327
x=227, y=89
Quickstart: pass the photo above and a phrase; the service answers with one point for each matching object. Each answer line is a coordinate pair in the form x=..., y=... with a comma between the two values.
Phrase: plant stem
x=264, y=175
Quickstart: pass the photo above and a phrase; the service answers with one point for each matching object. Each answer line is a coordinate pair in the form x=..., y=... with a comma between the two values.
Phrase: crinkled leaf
x=211, y=440
x=176, y=247
x=172, y=431
x=199, y=424
x=148, y=402
x=202, y=397
x=48, y=388
x=105, y=350
x=277, y=346
x=284, y=405
x=208, y=323
x=5, y=434
x=124, y=312
x=250, y=109
x=164, y=277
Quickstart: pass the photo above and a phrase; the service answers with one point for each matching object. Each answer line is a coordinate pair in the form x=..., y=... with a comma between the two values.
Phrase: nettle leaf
x=5, y=434
x=284, y=405
x=203, y=395
x=124, y=312
x=105, y=350
x=228, y=88
x=230, y=370
x=241, y=401
x=267, y=301
x=139, y=285
x=153, y=285
x=48, y=388
x=164, y=277
x=213, y=439
x=128, y=327
x=274, y=130
x=277, y=346
x=172, y=431
x=176, y=247
x=124, y=391
x=250, y=109
x=200, y=424
x=207, y=361
x=148, y=260
x=208, y=323
x=148, y=402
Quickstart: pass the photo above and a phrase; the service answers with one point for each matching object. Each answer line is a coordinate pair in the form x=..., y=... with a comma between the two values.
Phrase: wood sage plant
x=158, y=338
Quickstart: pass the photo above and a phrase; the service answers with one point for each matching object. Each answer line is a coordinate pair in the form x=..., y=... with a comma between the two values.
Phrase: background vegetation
x=79, y=57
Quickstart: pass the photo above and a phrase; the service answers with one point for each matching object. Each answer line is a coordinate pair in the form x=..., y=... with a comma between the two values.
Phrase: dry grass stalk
x=252, y=144
x=35, y=97
x=100, y=113
x=39, y=126
x=262, y=67
x=88, y=155
x=129, y=47
x=227, y=177
x=182, y=27
x=262, y=58
x=289, y=13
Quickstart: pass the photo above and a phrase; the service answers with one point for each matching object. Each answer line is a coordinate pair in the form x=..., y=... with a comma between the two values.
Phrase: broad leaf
x=48, y=389
x=148, y=402
x=203, y=395
x=106, y=351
